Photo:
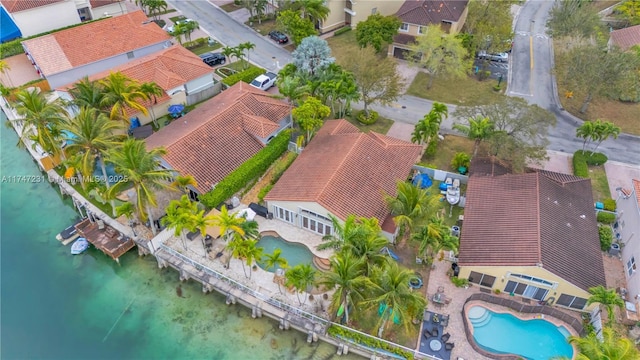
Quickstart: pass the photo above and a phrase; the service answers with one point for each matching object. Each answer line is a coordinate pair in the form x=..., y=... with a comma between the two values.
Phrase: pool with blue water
x=294, y=253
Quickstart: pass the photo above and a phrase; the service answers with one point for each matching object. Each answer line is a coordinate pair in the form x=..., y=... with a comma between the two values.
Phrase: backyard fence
x=440, y=175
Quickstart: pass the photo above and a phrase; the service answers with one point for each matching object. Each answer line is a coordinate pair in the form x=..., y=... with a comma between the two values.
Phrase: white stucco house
x=68, y=55
x=627, y=229
x=342, y=171
x=37, y=16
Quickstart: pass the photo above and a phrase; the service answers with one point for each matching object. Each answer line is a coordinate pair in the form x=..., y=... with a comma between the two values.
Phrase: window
x=374, y=11
x=573, y=302
x=422, y=30
x=130, y=55
x=284, y=214
x=524, y=290
x=631, y=266
x=532, y=279
x=316, y=223
x=404, y=27
x=482, y=279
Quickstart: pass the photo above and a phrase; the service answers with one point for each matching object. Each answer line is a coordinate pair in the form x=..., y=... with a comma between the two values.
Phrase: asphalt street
x=531, y=67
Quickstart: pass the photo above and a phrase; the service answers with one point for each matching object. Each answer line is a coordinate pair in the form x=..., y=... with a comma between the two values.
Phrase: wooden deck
x=107, y=240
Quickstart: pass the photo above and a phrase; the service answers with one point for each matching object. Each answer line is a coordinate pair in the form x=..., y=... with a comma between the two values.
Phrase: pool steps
x=479, y=316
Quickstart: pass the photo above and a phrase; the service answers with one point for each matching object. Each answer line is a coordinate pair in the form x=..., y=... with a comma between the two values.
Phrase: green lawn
x=366, y=320
x=239, y=65
x=265, y=27
x=230, y=7
x=381, y=126
x=447, y=149
x=340, y=44
x=467, y=91
x=599, y=183
x=205, y=49
x=177, y=18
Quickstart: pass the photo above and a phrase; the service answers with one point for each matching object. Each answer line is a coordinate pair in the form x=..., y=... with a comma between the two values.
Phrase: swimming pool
x=501, y=333
x=294, y=253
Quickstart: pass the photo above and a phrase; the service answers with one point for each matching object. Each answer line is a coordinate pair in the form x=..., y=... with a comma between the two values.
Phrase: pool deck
x=294, y=234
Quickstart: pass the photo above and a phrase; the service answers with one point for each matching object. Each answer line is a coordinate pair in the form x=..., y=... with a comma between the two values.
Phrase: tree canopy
x=573, y=18
x=310, y=114
x=489, y=24
x=298, y=28
x=377, y=30
x=312, y=55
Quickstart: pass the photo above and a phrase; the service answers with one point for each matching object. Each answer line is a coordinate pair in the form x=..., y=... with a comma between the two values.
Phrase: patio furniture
x=438, y=298
x=445, y=337
x=435, y=345
x=435, y=332
x=435, y=319
x=427, y=334
x=449, y=346
x=192, y=235
x=444, y=321
x=440, y=289
x=100, y=224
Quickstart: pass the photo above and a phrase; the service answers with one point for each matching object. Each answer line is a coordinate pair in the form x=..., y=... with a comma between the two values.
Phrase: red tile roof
x=220, y=134
x=14, y=6
x=627, y=37
x=533, y=219
x=98, y=3
x=99, y=40
x=427, y=12
x=346, y=171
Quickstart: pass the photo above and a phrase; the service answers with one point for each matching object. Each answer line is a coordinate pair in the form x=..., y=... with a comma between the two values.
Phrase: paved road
x=534, y=83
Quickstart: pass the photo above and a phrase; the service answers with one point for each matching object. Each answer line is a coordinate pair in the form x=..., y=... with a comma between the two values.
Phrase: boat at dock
x=80, y=246
x=69, y=234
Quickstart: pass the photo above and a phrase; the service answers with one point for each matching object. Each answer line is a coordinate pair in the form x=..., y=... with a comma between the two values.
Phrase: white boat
x=69, y=234
x=79, y=246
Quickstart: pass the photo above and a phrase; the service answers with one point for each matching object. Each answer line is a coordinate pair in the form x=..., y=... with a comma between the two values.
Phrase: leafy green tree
x=613, y=346
x=312, y=56
x=227, y=51
x=410, y=206
x=260, y=7
x=351, y=230
x=314, y=10
x=122, y=93
x=185, y=28
x=477, y=129
x=377, y=79
x=607, y=298
x=392, y=291
x=87, y=93
x=369, y=248
x=489, y=25
x=310, y=114
x=40, y=119
x=298, y=28
x=586, y=132
x=629, y=10
x=442, y=54
x=247, y=46
x=346, y=276
x=573, y=18
x=249, y=252
x=300, y=277
x=155, y=8
x=377, y=30
x=140, y=170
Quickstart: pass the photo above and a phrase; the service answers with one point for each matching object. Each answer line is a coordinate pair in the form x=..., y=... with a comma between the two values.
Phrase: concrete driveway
x=620, y=175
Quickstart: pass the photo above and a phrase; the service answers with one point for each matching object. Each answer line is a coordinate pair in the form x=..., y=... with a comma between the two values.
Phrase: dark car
x=212, y=59
x=279, y=37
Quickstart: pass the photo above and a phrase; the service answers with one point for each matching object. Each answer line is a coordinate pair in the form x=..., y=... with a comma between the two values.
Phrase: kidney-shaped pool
x=502, y=333
x=294, y=253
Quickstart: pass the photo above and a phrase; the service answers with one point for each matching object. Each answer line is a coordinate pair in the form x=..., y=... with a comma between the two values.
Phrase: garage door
x=400, y=53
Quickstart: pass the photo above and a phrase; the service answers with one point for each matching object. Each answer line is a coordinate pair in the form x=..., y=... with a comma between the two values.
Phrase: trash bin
x=599, y=206
x=455, y=231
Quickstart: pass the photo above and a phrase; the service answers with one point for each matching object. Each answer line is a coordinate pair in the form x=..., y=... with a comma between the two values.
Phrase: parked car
x=264, y=81
x=212, y=59
x=501, y=57
x=278, y=37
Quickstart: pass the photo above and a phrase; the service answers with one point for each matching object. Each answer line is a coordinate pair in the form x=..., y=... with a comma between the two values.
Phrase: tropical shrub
x=605, y=217
x=460, y=160
x=431, y=148
x=609, y=204
x=196, y=43
x=606, y=237
x=368, y=341
x=247, y=172
x=246, y=76
x=459, y=282
x=368, y=120
x=580, y=167
x=263, y=192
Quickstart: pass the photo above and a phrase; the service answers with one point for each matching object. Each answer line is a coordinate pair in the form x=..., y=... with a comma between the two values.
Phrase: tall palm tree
x=87, y=93
x=343, y=233
x=275, y=260
x=201, y=222
x=300, y=277
x=227, y=51
x=293, y=88
x=91, y=135
x=250, y=252
x=122, y=93
x=479, y=129
x=229, y=223
x=183, y=182
x=180, y=217
x=604, y=130
x=612, y=347
x=40, y=119
x=410, y=205
x=369, y=247
x=141, y=169
x=392, y=291
x=346, y=276
x=314, y=10
x=434, y=237
x=607, y=298
x=250, y=230
x=152, y=91
x=247, y=46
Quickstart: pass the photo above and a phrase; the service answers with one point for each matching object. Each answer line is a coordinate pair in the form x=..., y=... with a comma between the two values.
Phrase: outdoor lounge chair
x=100, y=224
x=456, y=183
x=449, y=346
x=435, y=332
x=427, y=334
x=446, y=337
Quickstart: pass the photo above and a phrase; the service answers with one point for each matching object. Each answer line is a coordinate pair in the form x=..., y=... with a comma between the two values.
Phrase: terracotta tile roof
x=627, y=37
x=487, y=166
x=427, y=12
x=59, y=51
x=14, y=6
x=346, y=171
x=212, y=140
x=98, y=3
x=404, y=39
x=533, y=219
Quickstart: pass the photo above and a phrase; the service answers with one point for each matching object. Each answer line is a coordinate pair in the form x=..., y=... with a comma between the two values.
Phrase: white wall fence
x=440, y=175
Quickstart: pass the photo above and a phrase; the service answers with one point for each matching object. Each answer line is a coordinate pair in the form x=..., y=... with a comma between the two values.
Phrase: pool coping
x=505, y=310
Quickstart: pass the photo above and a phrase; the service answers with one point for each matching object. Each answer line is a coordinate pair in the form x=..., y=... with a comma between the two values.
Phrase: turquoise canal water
x=59, y=306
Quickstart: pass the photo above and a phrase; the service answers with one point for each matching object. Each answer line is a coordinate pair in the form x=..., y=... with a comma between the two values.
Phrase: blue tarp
x=423, y=180
x=8, y=29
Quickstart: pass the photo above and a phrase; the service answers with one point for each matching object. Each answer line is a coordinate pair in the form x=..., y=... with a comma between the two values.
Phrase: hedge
x=582, y=161
x=605, y=217
x=342, y=30
x=279, y=168
x=246, y=76
x=245, y=173
x=606, y=237
x=609, y=204
x=368, y=341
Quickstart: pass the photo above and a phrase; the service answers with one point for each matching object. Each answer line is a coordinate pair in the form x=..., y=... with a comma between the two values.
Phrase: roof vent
x=583, y=216
x=555, y=202
x=568, y=224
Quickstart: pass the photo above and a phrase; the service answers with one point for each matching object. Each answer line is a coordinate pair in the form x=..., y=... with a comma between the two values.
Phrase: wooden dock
x=108, y=240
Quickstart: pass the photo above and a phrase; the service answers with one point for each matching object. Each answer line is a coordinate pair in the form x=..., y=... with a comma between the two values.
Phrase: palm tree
x=40, y=119
x=479, y=129
x=250, y=230
x=91, y=135
x=275, y=261
x=315, y=10
x=347, y=278
x=141, y=169
x=411, y=205
x=604, y=130
x=607, y=298
x=127, y=210
x=122, y=93
x=156, y=7
x=229, y=223
x=300, y=277
x=152, y=91
x=343, y=233
x=250, y=253
x=227, y=51
x=248, y=46
x=238, y=53
x=586, y=132
x=434, y=237
x=87, y=93
x=180, y=217
x=393, y=294
x=293, y=88
x=612, y=347
x=4, y=69
x=183, y=183
x=201, y=222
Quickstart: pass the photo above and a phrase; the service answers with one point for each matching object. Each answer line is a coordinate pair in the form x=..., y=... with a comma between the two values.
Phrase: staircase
x=321, y=263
